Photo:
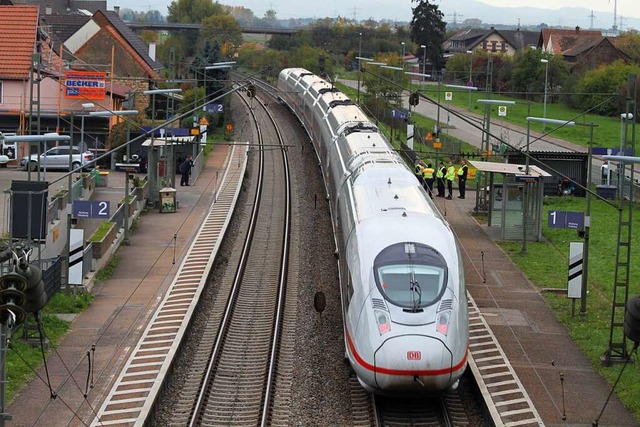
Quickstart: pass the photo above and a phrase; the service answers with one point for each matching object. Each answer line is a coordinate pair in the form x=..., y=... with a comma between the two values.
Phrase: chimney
x=152, y=50
x=116, y=9
x=577, y=29
x=48, y=9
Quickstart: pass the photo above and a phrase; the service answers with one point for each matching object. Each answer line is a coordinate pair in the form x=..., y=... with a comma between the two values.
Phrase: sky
x=390, y=9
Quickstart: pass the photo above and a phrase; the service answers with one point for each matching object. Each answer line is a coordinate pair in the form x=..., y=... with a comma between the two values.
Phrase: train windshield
x=410, y=275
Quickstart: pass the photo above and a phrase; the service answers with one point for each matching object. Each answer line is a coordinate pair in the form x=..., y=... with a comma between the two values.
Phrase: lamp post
x=85, y=107
x=546, y=78
x=359, y=56
x=424, y=58
x=470, y=82
x=125, y=238
x=215, y=66
x=152, y=166
x=402, y=59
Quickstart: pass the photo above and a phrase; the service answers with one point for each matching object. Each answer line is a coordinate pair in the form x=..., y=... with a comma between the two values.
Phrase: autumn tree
x=428, y=28
x=629, y=43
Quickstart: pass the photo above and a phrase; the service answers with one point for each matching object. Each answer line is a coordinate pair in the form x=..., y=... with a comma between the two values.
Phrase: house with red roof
x=583, y=49
x=53, y=64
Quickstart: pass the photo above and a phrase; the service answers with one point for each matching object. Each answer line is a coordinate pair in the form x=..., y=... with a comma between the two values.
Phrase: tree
x=428, y=28
x=222, y=28
x=192, y=11
x=629, y=43
x=597, y=88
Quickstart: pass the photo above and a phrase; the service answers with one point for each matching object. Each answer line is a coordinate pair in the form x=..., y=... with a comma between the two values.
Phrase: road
x=470, y=130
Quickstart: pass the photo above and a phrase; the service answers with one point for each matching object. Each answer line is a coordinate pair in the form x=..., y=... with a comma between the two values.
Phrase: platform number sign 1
x=564, y=219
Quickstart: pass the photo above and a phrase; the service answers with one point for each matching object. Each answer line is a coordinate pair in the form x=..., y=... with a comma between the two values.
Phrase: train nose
x=413, y=363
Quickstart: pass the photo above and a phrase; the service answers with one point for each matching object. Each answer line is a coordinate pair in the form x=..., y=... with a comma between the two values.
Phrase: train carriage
x=401, y=276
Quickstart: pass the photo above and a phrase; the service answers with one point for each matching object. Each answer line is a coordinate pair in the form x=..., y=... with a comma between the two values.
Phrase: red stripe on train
x=412, y=372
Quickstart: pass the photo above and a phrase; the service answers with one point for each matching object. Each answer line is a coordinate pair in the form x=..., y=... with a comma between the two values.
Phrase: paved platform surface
x=538, y=346
x=121, y=308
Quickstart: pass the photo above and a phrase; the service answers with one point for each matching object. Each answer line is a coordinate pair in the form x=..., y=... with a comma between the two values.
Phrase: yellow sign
x=502, y=110
x=204, y=121
x=471, y=173
x=437, y=144
x=429, y=137
x=194, y=131
x=229, y=127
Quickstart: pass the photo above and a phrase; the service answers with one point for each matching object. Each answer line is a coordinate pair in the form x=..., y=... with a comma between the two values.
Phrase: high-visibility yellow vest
x=418, y=169
x=451, y=173
x=439, y=173
x=428, y=173
x=461, y=170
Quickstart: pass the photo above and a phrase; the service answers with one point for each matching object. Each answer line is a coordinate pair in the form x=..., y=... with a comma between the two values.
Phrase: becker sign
x=85, y=84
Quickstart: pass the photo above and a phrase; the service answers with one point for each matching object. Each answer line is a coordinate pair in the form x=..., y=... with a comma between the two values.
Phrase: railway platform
x=559, y=379
x=121, y=309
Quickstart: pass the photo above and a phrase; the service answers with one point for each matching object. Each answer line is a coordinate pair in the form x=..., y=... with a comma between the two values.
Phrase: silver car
x=58, y=158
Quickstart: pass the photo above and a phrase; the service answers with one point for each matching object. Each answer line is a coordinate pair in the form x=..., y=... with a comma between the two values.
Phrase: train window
x=410, y=278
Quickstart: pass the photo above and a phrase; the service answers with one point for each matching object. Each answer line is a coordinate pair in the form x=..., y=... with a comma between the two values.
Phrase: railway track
x=130, y=401
x=239, y=380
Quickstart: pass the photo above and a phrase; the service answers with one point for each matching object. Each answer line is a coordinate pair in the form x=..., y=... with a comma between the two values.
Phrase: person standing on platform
x=606, y=173
x=462, y=178
x=185, y=171
x=450, y=176
x=442, y=171
x=418, y=171
x=429, y=172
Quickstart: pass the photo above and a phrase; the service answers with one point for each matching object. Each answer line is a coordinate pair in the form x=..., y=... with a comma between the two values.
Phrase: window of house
x=0, y=92
x=493, y=46
x=504, y=46
x=484, y=45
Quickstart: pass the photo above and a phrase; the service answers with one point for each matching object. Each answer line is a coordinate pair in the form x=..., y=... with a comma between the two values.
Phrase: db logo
x=414, y=355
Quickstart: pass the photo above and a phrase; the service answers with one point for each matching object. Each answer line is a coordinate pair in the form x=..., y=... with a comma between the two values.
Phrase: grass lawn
x=546, y=265
x=23, y=358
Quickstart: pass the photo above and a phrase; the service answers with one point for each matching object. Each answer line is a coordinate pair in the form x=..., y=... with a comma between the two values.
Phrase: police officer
x=462, y=178
x=418, y=171
x=428, y=173
x=450, y=176
x=440, y=178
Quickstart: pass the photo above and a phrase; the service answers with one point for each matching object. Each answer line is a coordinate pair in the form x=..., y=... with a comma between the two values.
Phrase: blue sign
x=564, y=219
x=598, y=151
x=399, y=114
x=215, y=108
x=91, y=209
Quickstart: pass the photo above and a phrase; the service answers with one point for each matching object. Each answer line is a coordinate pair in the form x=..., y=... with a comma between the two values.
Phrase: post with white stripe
x=574, y=287
x=410, y=136
x=76, y=252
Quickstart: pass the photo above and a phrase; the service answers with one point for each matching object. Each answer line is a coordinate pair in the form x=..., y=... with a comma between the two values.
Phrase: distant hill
x=531, y=16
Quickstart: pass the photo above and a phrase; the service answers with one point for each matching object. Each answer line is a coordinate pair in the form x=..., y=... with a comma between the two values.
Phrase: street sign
x=229, y=127
x=448, y=96
x=91, y=209
x=566, y=219
x=502, y=110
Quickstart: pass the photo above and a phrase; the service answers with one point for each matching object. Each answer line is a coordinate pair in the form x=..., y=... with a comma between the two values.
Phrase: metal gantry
x=617, y=349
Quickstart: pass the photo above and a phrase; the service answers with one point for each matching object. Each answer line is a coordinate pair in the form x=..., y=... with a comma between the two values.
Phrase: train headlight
x=383, y=321
x=442, y=322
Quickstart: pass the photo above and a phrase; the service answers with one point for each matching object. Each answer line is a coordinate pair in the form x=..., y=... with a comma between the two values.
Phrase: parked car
x=58, y=158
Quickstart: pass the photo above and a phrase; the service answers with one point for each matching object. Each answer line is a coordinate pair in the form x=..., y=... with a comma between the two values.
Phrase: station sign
x=215, y=108
x=91, y=209
x=399, y=114
x=566, y=219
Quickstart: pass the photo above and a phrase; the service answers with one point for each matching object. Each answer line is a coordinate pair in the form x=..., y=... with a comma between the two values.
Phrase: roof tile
x=18, y=26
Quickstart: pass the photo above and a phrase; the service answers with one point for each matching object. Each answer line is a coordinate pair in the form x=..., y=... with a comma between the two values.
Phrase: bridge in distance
x=173, y=26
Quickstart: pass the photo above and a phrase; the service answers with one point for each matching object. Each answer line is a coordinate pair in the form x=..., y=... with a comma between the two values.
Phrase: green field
x=546, y=265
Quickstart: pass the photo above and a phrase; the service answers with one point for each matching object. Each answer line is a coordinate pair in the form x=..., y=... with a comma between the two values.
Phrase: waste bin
x=607, y=191
x=168, y=200
x=103, y=179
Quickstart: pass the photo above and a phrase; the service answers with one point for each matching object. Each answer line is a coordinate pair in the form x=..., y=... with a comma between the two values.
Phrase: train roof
x=379, y=190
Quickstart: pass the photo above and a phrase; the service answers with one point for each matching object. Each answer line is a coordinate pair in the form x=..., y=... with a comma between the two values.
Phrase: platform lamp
x=215, y=66
x=546, y=79
x=125, y=238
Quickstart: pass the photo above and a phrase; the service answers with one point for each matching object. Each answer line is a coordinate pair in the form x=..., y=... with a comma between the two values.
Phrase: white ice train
x=401, y=275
